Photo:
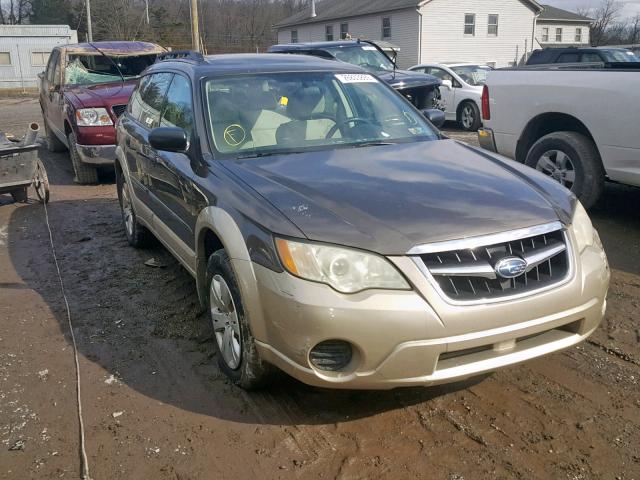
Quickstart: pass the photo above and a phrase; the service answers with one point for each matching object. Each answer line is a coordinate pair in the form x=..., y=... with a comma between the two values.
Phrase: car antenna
x=110, y=59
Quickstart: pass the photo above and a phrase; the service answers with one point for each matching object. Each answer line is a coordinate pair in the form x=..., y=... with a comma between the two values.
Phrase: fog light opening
x=331, y=355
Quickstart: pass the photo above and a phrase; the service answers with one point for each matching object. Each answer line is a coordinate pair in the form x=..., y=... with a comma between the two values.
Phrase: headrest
x=303, y=102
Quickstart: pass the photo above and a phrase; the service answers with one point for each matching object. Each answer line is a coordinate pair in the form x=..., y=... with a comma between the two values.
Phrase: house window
x=469, y=23
x=492, y=25
x=386, y=27
x=558, y=35
x=579, y=35
x=545, y=34
x=294, y=36
x=39, y=59
x=344, y=30
x=5, y=58
x=328, y=33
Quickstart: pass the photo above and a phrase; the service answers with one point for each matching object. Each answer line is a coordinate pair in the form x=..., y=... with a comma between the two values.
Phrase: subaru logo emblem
x=510, y=267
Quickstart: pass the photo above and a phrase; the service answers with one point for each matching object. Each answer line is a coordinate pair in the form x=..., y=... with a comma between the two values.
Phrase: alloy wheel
x=468, y=116
x=226, y=327
x=557, y=165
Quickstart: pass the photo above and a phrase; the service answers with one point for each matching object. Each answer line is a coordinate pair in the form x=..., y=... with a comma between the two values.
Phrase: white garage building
x=25, y=49
x=495, y=32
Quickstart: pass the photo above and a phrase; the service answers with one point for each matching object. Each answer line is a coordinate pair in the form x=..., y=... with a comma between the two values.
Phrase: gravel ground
x=156, y=406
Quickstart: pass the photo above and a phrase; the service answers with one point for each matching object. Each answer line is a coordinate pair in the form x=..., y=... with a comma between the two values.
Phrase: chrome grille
x=118, y=109
x=469, y=274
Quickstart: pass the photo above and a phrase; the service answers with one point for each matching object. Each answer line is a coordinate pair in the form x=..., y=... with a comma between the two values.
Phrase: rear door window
x=441, y=74
x=568, y=58
x=590, y=57
x=149, y=99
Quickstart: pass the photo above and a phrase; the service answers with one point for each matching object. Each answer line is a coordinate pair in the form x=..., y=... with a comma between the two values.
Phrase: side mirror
x=448, y=84
x=435, y=116
x=169, y=139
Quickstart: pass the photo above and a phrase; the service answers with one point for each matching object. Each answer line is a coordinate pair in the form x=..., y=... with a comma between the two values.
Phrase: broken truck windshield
x=91, y=68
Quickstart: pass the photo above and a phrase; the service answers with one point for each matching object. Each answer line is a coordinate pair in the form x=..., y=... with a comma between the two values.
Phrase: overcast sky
x=630, y=7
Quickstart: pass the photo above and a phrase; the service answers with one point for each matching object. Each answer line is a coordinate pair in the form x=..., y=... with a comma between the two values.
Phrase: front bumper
x=97, y=154
x=487, y=140
x=417, y=338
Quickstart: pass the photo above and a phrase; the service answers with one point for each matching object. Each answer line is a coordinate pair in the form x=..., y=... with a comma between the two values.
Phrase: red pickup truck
x=83, y=91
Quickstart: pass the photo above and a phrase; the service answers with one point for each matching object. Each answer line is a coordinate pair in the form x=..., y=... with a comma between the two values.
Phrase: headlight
x=92, y=117
x=345, y=270
x=583, y=230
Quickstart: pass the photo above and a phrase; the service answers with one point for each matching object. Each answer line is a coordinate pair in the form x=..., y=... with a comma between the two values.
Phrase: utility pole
x=89, y=29
x=195, y=33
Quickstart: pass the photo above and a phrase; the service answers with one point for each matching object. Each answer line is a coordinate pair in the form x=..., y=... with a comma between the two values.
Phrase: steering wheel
x=355, y=120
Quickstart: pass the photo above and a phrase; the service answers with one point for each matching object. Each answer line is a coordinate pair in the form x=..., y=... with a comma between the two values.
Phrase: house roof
x=558, y=14
x=338, y=9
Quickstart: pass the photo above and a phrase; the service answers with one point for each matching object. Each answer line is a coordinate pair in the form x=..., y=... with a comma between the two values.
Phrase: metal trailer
x=20, y=167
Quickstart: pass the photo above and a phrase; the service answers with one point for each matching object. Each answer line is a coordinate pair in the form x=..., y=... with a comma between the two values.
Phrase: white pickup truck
x=579, y=126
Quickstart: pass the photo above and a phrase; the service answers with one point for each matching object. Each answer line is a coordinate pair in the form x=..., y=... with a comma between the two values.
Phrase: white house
x=561, y=28
x=495, y=32
x=25, y=49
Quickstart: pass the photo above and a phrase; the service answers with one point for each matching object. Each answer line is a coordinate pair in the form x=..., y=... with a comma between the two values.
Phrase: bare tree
x=14, y=12
x=604, y=18
x=633, y=30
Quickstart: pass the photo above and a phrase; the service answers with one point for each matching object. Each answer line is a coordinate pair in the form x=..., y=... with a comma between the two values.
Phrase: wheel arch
x=215, y=229
x=545, y=124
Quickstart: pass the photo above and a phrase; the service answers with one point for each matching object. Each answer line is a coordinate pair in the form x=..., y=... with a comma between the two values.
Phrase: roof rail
x=189, y=55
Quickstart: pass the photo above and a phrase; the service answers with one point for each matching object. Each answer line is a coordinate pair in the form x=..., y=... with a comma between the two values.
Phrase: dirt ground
x=157, y=407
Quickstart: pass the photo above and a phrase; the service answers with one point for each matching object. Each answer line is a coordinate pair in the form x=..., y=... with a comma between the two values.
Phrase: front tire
x=469, y=117
x=137, y=234
x=572, y=160
x=84, y=174
x=235, y=346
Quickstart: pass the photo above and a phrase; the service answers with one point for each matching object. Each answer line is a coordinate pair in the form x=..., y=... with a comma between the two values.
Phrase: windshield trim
x=235, y=156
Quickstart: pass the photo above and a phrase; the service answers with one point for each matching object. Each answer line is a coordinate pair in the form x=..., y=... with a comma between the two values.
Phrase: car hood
x=388, y=199
x=401, y=79
x=102, y=94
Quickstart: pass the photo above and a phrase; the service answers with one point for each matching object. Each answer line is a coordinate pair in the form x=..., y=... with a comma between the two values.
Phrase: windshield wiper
x=110, y=59
x=372, y=144
x=264, y=154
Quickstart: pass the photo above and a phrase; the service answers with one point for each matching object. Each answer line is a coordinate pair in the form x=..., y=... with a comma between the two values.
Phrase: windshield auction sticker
x=356, y=78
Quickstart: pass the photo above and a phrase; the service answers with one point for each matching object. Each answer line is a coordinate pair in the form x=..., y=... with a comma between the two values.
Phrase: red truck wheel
x=85, y=174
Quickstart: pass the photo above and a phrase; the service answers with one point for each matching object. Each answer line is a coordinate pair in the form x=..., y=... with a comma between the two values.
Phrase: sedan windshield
x=475, y=75
x=85, y=68
x=365, y=56
x=254, y=115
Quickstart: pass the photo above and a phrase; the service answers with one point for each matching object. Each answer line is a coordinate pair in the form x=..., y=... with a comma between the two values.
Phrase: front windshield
x=475, y=75
x=363, y=55
x=83, y=69
x=276, y=113
x=620, y=56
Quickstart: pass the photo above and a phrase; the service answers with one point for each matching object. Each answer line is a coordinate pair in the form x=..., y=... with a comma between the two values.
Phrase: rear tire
x=240, y=361
x=84, y=174
x=572, y=160
x=137, y=234
x=469, y=117
x=20, y=195
x=53, y=143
